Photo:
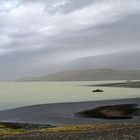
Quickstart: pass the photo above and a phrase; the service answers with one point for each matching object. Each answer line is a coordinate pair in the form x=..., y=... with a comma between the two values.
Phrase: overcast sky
x=37, y=34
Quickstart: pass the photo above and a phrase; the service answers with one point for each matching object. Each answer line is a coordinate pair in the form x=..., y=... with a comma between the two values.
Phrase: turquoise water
x=17, y=94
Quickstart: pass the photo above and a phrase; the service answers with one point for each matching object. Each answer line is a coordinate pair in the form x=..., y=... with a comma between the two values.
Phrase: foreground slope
x=83, y=132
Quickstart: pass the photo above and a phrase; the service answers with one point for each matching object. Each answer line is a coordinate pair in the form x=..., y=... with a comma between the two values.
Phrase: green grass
x=77, y=128
x=7, y=131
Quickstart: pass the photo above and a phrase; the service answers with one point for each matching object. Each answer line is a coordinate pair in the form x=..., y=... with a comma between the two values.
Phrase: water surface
x=17, y=94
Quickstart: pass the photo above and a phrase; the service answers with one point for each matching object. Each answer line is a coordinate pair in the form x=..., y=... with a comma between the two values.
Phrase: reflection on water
x=16, y=94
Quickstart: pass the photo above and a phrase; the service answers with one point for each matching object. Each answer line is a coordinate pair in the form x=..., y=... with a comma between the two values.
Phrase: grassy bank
x=8, y=131
x=65, y=132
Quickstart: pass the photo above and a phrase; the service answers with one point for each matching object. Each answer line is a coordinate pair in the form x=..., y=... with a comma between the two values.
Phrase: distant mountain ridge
x=88, y=75
x=124, y=65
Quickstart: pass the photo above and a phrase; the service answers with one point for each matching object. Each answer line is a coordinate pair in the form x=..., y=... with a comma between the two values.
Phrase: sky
x=38, y=35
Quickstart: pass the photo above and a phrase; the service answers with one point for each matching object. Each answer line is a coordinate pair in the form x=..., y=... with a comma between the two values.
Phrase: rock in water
x=97, y=90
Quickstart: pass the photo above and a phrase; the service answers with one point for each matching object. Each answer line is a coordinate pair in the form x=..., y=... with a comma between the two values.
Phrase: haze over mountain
x=39, y=37
x=127, y=60
x=88, y=75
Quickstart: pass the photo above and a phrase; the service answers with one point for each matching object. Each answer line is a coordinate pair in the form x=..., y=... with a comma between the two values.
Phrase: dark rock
x=97, y=90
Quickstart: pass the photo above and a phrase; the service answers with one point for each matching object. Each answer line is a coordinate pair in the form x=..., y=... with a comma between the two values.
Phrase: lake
x=17, y=94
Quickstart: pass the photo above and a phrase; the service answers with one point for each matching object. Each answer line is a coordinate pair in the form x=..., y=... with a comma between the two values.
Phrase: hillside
x=88, y=75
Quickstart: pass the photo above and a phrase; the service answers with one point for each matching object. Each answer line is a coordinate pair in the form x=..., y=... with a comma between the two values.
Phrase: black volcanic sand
x=123, y=111
x=64, y=113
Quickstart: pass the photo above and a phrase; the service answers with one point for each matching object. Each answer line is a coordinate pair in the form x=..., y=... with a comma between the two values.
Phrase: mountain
x=123, y=65
x=88, y=75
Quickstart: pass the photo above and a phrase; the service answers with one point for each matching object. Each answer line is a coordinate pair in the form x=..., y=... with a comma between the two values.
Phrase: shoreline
x=58, y=122
x=64, y=113
x=127, y=84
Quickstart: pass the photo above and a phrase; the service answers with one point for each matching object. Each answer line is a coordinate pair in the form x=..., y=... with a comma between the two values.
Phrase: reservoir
x=18, y=94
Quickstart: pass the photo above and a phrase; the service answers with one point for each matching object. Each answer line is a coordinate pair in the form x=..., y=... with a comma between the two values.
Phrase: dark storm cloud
x=36, y=34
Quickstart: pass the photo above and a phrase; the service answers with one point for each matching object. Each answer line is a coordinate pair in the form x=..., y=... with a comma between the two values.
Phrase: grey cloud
x=122, y=34
x=36, y=35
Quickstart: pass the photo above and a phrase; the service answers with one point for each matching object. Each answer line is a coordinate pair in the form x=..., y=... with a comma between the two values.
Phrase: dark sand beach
x=92, y=120
x=65, y=113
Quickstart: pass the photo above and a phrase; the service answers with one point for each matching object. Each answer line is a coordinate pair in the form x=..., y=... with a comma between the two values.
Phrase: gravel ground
x=132, y=133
